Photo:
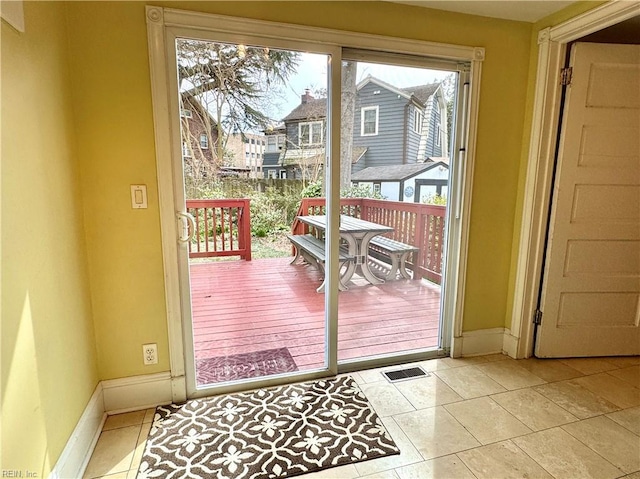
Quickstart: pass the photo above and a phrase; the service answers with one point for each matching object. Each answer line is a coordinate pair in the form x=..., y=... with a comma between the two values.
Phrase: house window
x=310, y=133
x=185, y=150
x=417, y=121
x=438, y=134
x=272, y=174
x=204, y=141
x=369, y=121
x=283, y=174
x=272, y=143
x=184, y=113
x=376, y=187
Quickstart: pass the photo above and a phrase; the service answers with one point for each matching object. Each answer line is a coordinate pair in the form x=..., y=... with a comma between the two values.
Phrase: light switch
x=138, y=196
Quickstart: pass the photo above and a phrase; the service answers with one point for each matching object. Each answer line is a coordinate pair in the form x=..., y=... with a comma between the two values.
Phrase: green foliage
x=235, y=78
x=435, y=199
x=361, y=191
x=313, y=190
x=272, y=212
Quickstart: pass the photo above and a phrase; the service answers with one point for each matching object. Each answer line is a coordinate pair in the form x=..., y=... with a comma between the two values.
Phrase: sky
x=312, y=74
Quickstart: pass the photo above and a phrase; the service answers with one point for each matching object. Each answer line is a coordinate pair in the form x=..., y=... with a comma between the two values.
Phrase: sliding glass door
x=312, y=193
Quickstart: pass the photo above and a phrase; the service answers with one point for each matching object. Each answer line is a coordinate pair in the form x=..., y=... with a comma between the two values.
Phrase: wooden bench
x=312, y=250
x=397, y=251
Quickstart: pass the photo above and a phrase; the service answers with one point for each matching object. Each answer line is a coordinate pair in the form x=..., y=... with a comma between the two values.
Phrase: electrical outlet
x=150, y=353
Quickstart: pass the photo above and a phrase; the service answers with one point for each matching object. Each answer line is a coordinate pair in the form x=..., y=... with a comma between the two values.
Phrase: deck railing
x=416, y=224
x=223, y=228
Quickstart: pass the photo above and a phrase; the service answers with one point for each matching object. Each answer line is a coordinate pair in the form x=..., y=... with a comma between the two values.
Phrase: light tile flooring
x=484, y=417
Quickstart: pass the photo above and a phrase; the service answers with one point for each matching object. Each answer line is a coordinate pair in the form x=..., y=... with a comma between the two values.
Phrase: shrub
x=435, y=199
x=313, y=190
x=361, y=191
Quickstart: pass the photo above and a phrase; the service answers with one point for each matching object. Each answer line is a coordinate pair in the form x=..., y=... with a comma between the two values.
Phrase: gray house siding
x=386, y=146
x=292, y=135
x=413, y=138
x=270, y=162
x=359, y=166
x=432, y=150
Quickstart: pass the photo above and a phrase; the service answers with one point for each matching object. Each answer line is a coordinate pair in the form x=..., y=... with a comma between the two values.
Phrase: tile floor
x=483, y=417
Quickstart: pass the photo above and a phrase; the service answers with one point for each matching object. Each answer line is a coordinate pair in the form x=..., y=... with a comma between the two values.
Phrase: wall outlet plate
x=150, y=353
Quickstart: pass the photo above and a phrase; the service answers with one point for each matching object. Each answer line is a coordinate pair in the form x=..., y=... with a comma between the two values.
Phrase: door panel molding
x=552, y=47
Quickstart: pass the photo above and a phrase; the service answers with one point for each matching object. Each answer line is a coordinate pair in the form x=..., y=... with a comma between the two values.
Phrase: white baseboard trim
x=110, y=397
x=481, y=342
x=77, y=452
x=136, y=392
x=510, y=344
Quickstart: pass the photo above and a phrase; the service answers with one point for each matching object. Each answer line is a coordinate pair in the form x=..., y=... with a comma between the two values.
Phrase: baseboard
x=77, y=452
x=136, y=392
x=510, y=344
x=483, y=341
x=110, y=397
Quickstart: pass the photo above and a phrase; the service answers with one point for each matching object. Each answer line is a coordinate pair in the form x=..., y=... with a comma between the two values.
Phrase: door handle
x=188, y=226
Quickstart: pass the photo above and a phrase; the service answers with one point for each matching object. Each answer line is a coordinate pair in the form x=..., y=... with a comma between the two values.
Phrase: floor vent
x=404, y=374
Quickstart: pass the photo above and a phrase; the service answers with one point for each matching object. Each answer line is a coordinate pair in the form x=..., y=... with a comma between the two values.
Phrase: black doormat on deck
x=268, y=433
x=244, y=366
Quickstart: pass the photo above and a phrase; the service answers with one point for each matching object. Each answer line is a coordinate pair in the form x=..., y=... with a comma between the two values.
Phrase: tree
x=449, y=93
x=348, y=105
x=231, y=83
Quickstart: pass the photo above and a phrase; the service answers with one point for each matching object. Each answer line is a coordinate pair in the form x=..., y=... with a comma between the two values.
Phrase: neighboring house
x=275, y=137
x=243, y=153
x=199, y=134
x=399, y=126
x=392, y=126
x=246, y=151
x=409, y=183
x=304, y=128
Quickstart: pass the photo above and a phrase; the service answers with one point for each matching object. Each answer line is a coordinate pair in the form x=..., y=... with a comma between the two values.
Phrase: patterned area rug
x=268, y=433
x=243, y=366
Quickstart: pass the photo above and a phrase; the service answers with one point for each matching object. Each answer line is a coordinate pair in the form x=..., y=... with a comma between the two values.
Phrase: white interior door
x=591, y=288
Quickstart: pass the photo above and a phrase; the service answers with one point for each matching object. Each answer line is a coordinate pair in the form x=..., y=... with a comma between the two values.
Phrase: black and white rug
x=269, y=433
x=244, y=366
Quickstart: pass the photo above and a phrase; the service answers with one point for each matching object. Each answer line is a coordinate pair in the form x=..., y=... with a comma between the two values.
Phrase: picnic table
x=357, y=234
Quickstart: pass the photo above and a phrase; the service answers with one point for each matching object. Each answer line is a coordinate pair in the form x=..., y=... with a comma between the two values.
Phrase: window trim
x=204, y=145
x=364, y=109
x=418, y=119
x=310, y=123
x=186, y=152
x=438, y=133
x=186, y=113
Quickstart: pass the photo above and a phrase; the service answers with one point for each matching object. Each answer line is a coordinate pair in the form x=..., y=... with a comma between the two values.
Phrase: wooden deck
x=247, y=306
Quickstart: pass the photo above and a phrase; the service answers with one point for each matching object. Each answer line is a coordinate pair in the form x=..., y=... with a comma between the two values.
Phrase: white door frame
x=552, y=47
x=160, y=25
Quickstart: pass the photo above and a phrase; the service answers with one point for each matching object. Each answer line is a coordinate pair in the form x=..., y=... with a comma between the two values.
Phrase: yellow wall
x=48, y=347
x=77, y=130
x=550, y=21
x=114, y=124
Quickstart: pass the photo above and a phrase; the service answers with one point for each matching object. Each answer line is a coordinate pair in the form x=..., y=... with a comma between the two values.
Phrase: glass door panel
x=396, y=136
x=253, y=131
